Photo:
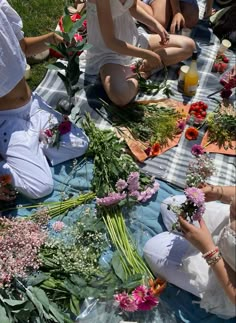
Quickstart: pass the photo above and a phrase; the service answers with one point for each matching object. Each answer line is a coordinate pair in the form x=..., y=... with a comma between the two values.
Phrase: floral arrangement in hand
x=197, y=174
x=192, y=208
x=52, y=135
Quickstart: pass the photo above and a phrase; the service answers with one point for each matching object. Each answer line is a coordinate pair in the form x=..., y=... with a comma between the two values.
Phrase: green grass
x=39, y=17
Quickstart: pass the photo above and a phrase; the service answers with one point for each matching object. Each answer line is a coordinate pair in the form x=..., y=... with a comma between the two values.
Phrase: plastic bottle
x=192, y=77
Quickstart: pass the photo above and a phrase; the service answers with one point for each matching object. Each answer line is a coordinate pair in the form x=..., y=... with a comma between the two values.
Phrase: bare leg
x=146, y=7
x=178, y=48
x=119, y=83
x=162, y=12
x=190, y=13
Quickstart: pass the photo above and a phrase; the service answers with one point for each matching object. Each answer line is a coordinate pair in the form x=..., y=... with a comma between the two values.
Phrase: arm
x=219, y=193
x=142, y=16
x=117, y=45
x=178, y=20
x=202, y=240
x=34, y=45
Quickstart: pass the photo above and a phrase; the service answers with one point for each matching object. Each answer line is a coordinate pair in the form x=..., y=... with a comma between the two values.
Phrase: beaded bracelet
x=212, y=261
x=210, y=253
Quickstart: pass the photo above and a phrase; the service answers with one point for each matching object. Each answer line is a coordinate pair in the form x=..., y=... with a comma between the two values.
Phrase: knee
x=37, y=189
x=188, y=46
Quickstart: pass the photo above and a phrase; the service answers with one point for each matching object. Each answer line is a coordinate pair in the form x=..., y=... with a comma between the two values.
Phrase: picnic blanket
x=170, y=166
x=145, y=221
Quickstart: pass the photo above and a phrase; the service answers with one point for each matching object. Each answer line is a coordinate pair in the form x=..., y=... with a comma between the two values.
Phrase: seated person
x=172, y=14
x=24, y=116
x=117, y=44
x=201, y=259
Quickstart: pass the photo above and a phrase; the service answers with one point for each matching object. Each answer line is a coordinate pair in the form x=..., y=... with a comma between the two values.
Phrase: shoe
x=38, y=58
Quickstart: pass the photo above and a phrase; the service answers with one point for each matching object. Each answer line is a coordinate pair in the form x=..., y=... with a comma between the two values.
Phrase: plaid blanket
x=170, y=166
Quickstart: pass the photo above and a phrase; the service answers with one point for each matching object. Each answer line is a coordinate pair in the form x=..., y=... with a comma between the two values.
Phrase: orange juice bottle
x=192, y=77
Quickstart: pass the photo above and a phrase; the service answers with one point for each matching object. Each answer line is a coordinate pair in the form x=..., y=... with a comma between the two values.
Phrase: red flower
x=5, y=179
x=191, y=133
x=64, y=127
x=155, y=150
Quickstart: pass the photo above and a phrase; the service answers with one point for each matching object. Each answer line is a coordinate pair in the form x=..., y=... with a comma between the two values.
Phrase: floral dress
x=125, y=29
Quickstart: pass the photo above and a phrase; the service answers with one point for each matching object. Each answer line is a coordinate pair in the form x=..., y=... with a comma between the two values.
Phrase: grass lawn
x=39, y=17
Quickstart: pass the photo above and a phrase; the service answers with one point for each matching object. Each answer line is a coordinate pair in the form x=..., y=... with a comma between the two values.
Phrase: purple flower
x=111, y=199
x=195, y=195
x=64, y=127
x=197, y=150
x=121, y=185
x=181, y=125
x=133, y=181
x=199, y=213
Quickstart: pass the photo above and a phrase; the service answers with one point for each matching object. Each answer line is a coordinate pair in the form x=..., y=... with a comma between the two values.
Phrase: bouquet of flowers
x=193, y=207
x=52, y=135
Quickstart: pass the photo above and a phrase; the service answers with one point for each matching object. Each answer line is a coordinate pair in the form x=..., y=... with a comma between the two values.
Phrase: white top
x=12, y=59
x=214, y=298
x=125, y=29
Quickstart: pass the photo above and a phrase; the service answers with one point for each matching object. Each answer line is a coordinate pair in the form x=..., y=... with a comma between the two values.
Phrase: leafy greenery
x=221, y=126
x=147, y=122
x=69, y=50
x=111, y=162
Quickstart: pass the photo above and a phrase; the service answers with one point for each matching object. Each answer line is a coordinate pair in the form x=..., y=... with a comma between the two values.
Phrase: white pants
x=25, y=156
x=166, y=251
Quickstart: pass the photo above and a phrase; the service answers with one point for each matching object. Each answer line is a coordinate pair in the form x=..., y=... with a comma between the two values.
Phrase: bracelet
x=210, y=253
x=214, y=260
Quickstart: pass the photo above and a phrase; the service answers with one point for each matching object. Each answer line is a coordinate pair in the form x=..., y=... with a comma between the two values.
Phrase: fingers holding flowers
x=200, y=237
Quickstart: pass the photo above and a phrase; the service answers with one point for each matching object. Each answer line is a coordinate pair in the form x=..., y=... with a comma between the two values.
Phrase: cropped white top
x=12, y=59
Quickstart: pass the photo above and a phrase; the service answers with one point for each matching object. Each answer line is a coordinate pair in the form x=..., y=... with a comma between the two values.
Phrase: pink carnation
x=126, y=302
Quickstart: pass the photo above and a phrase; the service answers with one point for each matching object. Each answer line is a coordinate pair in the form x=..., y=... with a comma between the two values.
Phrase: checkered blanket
x=170, y=166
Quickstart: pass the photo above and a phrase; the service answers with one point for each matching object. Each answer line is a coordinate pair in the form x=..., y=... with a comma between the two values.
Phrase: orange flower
x=157, y=286
x=155, y=150
x=191, y=133
x=5, y=179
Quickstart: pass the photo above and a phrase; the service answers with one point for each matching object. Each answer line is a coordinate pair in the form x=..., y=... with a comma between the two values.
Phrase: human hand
x=152, y=62
x=162, y=32
x=200, y=238
x=177, y=23
x=212, y=192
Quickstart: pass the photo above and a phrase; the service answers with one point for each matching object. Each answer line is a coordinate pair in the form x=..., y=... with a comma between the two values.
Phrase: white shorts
x=25, y=157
